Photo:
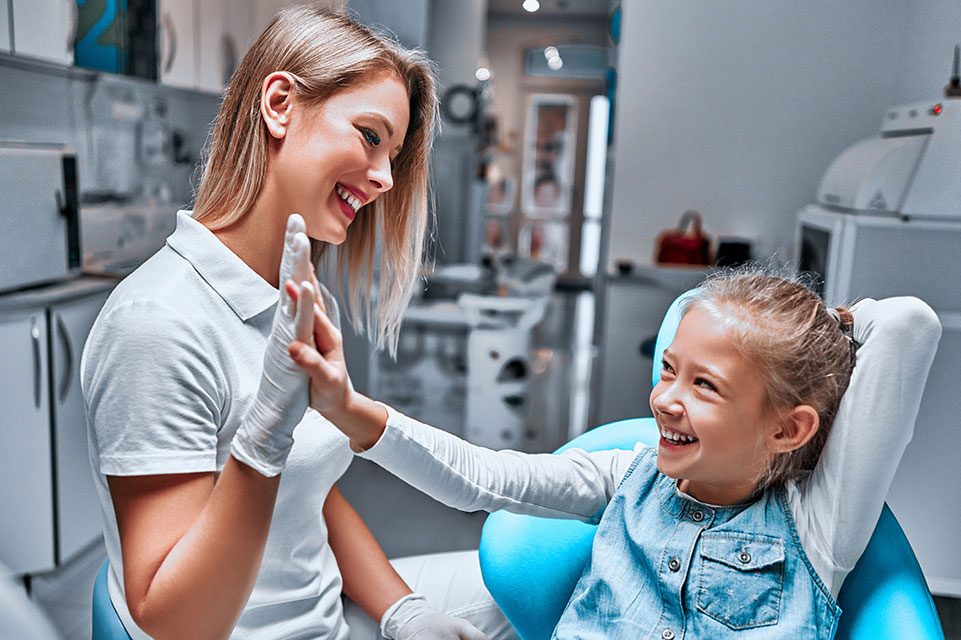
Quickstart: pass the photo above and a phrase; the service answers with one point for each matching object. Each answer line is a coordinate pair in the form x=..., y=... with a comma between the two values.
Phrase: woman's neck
x=257, y=238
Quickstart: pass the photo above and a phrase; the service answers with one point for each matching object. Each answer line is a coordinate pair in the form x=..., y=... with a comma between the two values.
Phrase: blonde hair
x=804, y=352
x=325, y=52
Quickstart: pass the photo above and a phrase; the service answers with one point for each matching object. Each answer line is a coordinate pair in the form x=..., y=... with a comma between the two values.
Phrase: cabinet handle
x=68, y=352
x=35, y=338
x=168, y=24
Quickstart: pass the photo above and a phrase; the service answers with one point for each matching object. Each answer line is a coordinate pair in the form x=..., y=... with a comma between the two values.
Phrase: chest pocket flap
x=746, y=552
x=741, y=577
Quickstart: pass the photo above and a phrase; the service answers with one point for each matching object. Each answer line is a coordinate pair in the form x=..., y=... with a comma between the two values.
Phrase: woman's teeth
x=352, y=201
x=678, y=438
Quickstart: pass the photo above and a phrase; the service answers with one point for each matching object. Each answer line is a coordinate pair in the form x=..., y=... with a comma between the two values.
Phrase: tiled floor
x=404, y=520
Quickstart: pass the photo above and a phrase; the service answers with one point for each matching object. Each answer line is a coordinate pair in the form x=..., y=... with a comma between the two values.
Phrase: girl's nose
x=667, y=400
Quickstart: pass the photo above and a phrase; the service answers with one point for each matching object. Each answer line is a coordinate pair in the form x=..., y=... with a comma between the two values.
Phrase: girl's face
x=712, y=398
x=336, y=156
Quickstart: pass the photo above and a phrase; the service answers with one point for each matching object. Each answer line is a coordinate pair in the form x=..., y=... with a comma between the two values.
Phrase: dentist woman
x=221, y=512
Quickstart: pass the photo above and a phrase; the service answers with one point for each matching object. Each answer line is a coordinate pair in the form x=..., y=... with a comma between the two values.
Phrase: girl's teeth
x=678, y=437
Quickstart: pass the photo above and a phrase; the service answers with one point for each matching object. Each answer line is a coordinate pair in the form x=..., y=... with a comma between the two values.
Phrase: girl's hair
x=326, y=52
x=803, y=351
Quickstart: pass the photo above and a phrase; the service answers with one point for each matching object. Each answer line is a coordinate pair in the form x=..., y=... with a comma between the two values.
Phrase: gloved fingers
x=470, y=632
x=303, y=321
x=295, y=260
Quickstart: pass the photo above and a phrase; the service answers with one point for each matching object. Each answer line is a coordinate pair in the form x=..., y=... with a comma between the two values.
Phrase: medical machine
x=39, y=216
x=887, y=222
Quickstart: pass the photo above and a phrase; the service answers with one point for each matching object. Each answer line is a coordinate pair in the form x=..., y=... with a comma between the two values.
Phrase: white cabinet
x=4, y=26
x=45, y=29
x=225, y=30
x=177, y=21
x=48, y=498
x=26, y=483
x=77, y=507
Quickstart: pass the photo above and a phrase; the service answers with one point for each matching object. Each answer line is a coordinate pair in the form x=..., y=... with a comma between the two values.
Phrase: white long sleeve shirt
x=835, y=508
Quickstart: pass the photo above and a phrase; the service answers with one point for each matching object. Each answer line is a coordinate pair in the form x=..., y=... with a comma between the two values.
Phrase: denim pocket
x=740, y=578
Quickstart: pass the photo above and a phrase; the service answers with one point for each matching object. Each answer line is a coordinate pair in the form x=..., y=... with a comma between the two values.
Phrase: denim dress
x=665, y=566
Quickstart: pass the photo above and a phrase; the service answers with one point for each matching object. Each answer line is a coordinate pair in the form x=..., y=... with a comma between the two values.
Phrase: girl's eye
x=665, y=367
x=701, y=382
x=371, y=136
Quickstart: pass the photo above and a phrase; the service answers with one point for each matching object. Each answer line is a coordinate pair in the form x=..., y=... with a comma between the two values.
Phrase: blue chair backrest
x=106, y=622
x=530, y=565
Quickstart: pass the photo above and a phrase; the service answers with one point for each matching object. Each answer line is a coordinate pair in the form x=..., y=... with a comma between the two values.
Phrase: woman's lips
x=345, y=208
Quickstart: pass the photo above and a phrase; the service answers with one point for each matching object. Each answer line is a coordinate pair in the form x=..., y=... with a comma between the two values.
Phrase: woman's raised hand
x=264, y=438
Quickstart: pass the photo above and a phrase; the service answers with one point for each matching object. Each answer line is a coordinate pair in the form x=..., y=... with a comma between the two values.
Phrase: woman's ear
x=796, y=427
x=276, y=102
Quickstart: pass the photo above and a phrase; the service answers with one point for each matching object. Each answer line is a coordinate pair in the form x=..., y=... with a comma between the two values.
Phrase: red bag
x=687, y=244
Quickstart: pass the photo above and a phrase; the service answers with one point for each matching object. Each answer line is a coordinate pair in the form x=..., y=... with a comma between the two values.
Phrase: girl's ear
x=276, y=102
x=797, y=426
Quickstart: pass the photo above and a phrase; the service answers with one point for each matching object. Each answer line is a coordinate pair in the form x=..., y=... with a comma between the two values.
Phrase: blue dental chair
x=530, y=565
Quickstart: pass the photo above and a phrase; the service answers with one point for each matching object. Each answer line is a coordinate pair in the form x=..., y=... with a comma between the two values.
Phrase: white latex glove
x=412, y=618
x=265, y=436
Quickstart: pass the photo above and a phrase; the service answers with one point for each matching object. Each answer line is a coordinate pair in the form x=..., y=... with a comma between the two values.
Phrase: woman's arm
x=192, y=547
x=371, y=582
x=191, y=543
x=369, y=579
x=840, y=502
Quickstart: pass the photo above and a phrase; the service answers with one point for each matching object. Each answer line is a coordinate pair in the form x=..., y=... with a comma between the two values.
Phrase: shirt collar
x=244, y=291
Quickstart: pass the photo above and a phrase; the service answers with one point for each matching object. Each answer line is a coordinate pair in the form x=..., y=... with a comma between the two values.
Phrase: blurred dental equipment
x=465, y=357
x=887, y=222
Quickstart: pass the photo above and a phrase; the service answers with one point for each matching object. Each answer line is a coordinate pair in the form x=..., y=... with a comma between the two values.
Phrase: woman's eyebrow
x=383, y=119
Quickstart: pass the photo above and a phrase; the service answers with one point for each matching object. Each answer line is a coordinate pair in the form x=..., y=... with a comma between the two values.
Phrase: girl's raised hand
x=324, y=359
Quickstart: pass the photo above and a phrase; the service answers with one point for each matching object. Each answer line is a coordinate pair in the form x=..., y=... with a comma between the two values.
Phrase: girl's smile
x=710, y=411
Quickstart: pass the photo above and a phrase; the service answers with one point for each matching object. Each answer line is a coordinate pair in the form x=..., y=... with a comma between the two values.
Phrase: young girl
x=219, y=519
x=747, y=516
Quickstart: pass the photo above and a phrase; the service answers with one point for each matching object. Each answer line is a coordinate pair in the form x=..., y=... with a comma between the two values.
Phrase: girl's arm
x=838, y=506
x=461, y=475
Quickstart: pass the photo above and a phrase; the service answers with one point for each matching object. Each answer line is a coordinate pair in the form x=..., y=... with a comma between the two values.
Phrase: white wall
x=737, y=108
x=933, y=27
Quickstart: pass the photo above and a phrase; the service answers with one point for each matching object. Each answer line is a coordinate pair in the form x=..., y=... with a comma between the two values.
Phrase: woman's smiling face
x=336, y=156
x=709, y=407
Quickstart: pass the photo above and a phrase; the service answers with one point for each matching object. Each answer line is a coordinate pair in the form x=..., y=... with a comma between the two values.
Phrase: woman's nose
x=380, y=174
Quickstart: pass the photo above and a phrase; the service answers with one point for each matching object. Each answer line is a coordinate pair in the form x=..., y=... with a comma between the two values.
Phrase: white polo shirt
x=168, y=371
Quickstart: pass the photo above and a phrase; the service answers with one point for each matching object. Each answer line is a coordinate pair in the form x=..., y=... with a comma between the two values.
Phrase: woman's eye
x=665, y=367
x=371, y=136
x=701, y=382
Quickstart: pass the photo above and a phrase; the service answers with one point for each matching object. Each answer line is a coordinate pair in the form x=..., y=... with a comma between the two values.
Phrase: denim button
x=667, y=634
x=698, y=515
x=674, y=564
x=744, y=557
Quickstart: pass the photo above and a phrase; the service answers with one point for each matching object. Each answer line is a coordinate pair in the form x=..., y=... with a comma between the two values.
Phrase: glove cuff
x=402, y=612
